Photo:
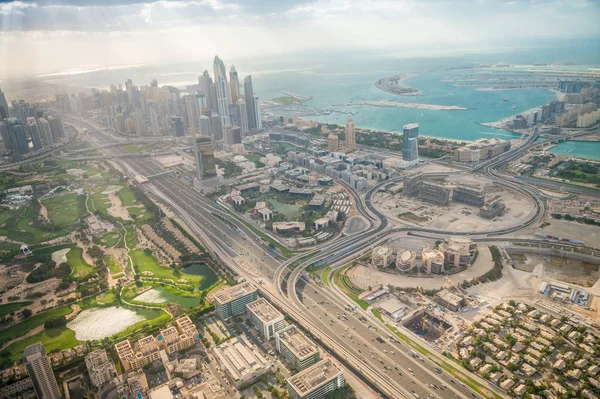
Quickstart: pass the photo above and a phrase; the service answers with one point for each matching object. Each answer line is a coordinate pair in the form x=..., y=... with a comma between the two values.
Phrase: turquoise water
x=336, y=78
x=201, y=269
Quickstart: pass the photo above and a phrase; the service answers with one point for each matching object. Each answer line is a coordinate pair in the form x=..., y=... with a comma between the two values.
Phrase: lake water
x=161, y=295
x=91, y=324
x=291, y=211
x=335, y=78
x=201, y=269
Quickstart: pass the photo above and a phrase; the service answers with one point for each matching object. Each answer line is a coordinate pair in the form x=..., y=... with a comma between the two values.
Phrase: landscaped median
x=342, y=281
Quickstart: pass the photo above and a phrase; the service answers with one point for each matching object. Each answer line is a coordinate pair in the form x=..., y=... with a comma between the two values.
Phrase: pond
x=92, y=324
x=291, y=211
x=161, y=295
x=202, y=269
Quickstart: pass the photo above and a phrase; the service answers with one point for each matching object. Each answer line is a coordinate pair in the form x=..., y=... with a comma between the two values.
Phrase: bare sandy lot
x=60, y=256
x=116, y=206
x=455, y=216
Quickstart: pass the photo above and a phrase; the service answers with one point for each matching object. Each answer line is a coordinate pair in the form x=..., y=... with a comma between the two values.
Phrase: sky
x=56, y=35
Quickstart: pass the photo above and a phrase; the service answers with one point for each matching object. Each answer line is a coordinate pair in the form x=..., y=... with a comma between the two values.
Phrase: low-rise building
x=299, y=351
x=100, y=369
x=433, y=260
x=232, y=301
x=316, y=381
x=265, y=317
x=241, y=361
x=381, y=256
x=457, y=252
x=449, y=300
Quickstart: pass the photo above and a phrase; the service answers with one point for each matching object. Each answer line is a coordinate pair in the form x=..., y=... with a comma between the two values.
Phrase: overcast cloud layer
x=54, y=35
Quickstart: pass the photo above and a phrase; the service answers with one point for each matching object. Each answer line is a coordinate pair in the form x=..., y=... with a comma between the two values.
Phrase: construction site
x=427, y=325
x=452, y=201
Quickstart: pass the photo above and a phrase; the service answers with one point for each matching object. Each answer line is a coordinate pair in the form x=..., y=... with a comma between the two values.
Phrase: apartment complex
x=99, y=367
x=316, y=381
x=40, y=372
x=141, y=353
x=474, y=196
x=265, y=317
x=172, y=339
x=241, y=361
x=232, y=301
x=181, y=336
x=481, y=149
x=296, y=347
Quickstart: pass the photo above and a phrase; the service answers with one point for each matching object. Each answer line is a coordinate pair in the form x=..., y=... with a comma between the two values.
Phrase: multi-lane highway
x=389, y=366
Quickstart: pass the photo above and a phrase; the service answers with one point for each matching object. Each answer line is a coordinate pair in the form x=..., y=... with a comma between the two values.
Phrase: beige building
x=457, y=251
x=240, y=360
x=405, y=260
x=136, y=356
x=333, y=143
x=316, y=381
x=299, y=351
x=481, y=149
x=350, y=141
x=265, y=317
x=99, y=367
x=382, y=256
x=433, y=260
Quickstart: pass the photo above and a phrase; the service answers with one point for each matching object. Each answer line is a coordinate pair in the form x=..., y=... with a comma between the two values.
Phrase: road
x=312, y=306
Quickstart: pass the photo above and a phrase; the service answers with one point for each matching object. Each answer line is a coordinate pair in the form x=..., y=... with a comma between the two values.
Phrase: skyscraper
x=205, y=158
x=140, y=123
x=234, y=85
x=228, y=137
x=16, y=138
x=333, y=143
x=350, y=137
x=40, y=372
x=56, y=126
x=222, y=91
x=249, y=95
x=34, y=132
x=191, y=110
x=205, y=129
x=45, y=132
x=177, y=126
x=3, y=106
x=236, y=135
x=154, y=123
x=257, y=113
x=243, y=115
x=410, y=142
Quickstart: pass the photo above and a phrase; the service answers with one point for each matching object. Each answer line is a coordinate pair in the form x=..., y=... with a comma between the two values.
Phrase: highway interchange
x=389, y=367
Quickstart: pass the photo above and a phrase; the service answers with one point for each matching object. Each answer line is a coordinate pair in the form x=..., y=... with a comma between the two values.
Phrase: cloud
x=66, y=34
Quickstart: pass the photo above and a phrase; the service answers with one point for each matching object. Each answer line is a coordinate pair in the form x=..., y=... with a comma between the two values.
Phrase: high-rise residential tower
x=46, y=132
x=410, y=142
x=350, y=137
x=191, y=110
x=257, y=113
x=205, y=158
x=222, y=91
x=34, y=132
x=40, y=372
x=234, y=85
x=249, y=96
x=243, y=115
x=3, y=106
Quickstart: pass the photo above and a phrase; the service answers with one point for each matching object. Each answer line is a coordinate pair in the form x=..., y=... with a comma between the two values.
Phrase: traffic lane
x=362, y=348
x=401, y=350
x=391, y=354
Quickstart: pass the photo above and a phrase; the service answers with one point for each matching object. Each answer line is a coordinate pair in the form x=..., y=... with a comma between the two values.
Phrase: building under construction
x=435, y=193
x=474, y=196
x=427, y=325
x=493, y=209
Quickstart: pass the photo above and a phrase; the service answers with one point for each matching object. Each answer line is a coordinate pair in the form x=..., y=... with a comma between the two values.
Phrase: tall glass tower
x=410, y=142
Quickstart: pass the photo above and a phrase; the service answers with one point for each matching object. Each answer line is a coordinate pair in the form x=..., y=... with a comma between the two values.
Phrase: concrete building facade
x=316, y=381
x=296, y=348
x=232, y=301
x=265, y=317
x=40, y=372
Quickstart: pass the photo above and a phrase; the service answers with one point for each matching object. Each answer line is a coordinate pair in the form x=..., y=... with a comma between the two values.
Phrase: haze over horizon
x=59, y=35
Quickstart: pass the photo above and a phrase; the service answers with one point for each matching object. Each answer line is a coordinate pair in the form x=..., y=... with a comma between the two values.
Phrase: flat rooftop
x=449, y=297
x=411, y=125
x=239, y=357
x=264, y=310
x=237, y=291
x=297, y=342
x=313, y=377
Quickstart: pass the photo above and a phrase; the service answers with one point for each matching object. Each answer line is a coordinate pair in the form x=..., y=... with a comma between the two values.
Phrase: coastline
x=386, y=103
x=387, y=84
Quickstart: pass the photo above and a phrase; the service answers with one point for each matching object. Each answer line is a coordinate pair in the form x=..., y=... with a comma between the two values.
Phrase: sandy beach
x=385, y=103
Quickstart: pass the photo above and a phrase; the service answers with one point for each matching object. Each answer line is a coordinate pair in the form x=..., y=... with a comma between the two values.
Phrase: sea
x=336, y=78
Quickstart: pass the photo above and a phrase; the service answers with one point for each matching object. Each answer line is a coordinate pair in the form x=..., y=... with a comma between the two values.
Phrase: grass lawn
x=109, y=239
x=64, y=211
x=8, y=308
x=38, y=319
x=112, y=265
x=140, y=215
x=18, y=225
x=325, y=275
x=147, y=262
x=127, y=197
x=252, y=157
x=108, y=299
x=341, y=281
x=54, y=339
x=8, y=249
x=130, y=237
x=100, y=202
x=80, y=267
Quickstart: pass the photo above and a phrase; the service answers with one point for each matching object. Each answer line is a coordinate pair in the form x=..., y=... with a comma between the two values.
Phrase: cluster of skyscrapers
x=24, y=124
